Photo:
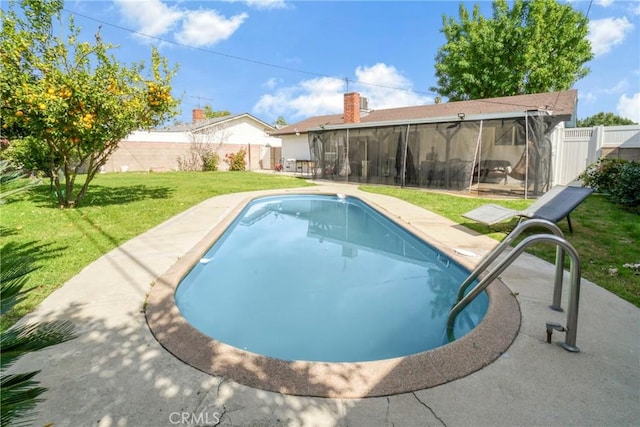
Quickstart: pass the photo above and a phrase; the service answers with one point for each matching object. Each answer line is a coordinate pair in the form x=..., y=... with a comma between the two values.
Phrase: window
x=510, y=132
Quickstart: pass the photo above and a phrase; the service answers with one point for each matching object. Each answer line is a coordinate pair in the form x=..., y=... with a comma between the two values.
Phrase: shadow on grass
x=30, y=255
x=99, y=195
x=30, y=251
x=5, y=232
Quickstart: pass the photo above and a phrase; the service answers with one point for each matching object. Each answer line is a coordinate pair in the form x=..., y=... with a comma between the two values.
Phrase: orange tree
x=74, y=95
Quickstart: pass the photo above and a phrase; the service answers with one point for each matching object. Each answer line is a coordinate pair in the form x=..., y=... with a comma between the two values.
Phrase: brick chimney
x=352, y=107
x=197, y=114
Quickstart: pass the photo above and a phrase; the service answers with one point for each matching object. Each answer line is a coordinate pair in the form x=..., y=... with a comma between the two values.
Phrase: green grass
x=605, y=235
x=122, y=206
x=117, y=208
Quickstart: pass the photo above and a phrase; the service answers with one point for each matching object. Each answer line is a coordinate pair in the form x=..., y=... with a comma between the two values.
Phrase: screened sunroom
x=506, y=153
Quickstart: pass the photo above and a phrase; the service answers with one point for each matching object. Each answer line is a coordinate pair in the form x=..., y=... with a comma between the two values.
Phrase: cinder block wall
x=622, y=153
x=163, y=156
x=146, y=156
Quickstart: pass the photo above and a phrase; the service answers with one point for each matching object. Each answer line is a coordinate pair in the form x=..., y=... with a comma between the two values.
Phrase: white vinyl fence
x=577, y=148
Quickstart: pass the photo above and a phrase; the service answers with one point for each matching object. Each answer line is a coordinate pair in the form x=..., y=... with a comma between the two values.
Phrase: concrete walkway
x=116, y=374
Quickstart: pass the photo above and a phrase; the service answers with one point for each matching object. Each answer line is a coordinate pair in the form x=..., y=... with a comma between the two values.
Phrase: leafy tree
x=209, y=113
x=535, y=46
x=605, y=119
x=280, y=122
x=74, y=95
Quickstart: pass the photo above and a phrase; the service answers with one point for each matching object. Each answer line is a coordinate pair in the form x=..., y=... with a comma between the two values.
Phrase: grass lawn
x=117, y=208
x=605, y=235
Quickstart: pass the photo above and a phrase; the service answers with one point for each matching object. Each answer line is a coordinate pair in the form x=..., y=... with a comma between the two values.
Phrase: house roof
x=202, y=124
x=561, y=105
x=311, y=122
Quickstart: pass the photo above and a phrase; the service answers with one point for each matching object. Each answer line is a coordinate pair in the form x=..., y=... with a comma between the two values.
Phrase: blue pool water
x=323, y=278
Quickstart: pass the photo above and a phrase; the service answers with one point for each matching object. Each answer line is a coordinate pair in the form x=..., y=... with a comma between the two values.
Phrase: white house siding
x=160, y=150
x=244, y=131
x=158, y=136
x=296, y=147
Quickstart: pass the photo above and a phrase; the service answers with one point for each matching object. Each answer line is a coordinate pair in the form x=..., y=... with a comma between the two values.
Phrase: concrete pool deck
x=116, y=373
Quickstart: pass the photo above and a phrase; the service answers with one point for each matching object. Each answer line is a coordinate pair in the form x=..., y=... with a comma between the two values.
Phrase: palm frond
x=19, y=397
x=12, y=293
x=13, y=180
x=8, y=172
x=19, y=392
x=13, y=276
x=21, y=339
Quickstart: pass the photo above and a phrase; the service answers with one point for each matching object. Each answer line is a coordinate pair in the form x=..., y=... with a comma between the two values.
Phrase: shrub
x=618, y=178
x=210, y=162
x=201, y=157
x=236, y=161
x=602, y=175
x=626, y=190
x=31, y=154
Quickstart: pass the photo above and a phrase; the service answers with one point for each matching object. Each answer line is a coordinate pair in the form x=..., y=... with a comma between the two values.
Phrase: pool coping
x=477, y=349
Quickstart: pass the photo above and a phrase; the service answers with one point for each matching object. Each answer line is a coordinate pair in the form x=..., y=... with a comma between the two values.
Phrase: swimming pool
x=478, y=348
x=323, y=278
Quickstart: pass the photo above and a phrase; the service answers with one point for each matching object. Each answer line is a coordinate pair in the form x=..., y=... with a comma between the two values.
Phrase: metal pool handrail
x=574, y=296
x=491, y=256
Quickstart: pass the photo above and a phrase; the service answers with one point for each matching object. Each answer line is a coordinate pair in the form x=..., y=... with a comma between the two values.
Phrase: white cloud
x=293, y=60
x=620, y=87
x=313, y=97
x=325, y=95
x=588, y=98
x=151, y=17
x=382, y=90
x=271, y=83
x=198, y=28
x=604, y=3
x=207, y=27
x=629, y=107
x=262, y=4
x=267, y=4
x=608, y=32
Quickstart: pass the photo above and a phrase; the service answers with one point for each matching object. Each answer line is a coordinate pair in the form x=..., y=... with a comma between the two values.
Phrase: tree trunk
x=91, y=173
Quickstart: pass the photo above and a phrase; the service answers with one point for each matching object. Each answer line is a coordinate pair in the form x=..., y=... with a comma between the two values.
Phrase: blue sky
x=276, y=58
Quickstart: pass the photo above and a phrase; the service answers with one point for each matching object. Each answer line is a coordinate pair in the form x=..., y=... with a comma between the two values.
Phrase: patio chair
x=554, y=205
